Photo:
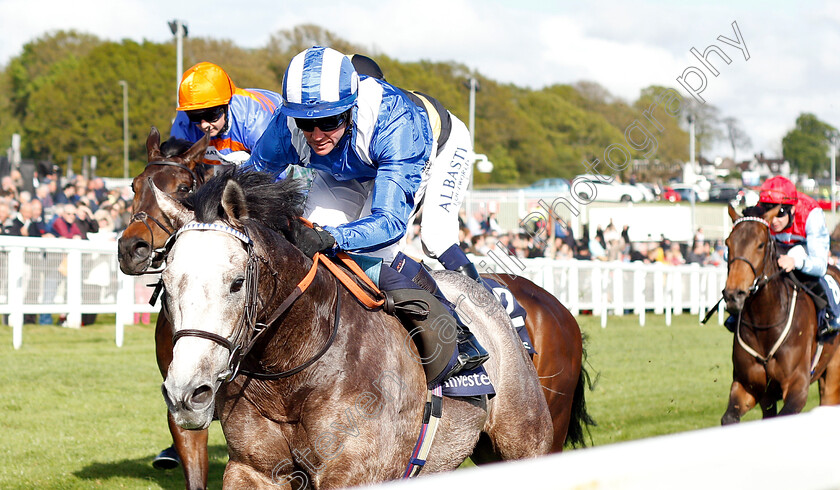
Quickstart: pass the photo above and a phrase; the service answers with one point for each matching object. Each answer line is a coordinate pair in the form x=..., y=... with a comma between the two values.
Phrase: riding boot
x=454, y=259
x=435, y=322
x=829, y=326
x=730, y=323
x=167, y=459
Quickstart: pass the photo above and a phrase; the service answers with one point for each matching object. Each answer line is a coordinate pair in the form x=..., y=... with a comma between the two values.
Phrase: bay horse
x=554, y=332
x=316, y=404
x=775, y=354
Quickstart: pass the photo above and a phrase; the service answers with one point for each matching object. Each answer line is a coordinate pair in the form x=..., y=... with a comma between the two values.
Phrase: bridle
x=249, y=331
x=762, y=279
x=158, y=253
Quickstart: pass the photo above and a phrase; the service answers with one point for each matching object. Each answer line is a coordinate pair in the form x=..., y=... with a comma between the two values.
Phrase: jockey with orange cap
x=209, y=102
x=235, y=118
x=799, y=228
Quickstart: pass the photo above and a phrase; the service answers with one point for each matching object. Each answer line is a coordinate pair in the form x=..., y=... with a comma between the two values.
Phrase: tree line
x=62, y=94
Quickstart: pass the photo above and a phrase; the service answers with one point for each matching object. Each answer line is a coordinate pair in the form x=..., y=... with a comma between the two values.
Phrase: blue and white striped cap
x=319, y=82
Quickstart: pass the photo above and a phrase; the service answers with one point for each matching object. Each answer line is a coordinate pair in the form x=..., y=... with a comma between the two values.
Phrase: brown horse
x=141, y=249
x=316, y=404
x=556, y=337
x=553, y=330
x=775, y=354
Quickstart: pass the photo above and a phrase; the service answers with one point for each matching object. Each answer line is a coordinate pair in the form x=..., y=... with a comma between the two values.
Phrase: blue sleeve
x=273, y=151
x=183, y=129
x=817, y=243
x=400, y=148
x=253, y=116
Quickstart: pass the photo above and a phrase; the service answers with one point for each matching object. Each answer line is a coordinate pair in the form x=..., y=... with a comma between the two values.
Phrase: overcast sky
x=794, y=47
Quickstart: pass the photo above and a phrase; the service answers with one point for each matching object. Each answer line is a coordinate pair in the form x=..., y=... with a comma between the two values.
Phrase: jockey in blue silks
x=373, y=151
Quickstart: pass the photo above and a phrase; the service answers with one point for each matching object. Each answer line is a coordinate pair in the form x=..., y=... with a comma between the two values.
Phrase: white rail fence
x=74, y=277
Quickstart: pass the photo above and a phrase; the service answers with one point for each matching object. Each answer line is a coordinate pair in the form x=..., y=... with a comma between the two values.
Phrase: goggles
x=325, y=124
x=785, y=210
x=211, y=114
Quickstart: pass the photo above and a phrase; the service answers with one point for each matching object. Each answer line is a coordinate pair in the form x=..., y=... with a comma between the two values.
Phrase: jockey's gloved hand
x=313, y=240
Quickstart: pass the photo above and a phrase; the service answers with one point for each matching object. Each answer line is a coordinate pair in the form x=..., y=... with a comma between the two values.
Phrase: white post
x=74, y=288
x=16, y=293
x=639, y=294
x=618, y=290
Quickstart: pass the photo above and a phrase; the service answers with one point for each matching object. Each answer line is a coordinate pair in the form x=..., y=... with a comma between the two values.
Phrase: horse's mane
x=276, y=204
x=756, y=211
x=174, y=147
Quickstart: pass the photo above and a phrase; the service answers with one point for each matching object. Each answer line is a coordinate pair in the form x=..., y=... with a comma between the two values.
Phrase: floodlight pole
x=179, y=30
x=125, y=127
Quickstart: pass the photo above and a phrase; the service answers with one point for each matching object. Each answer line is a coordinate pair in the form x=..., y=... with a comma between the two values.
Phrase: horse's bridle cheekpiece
x=143, y=217
x=249, y=331
x=760, y=279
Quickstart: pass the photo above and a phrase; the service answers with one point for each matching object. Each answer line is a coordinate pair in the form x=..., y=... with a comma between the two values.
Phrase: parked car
x=612, y=192
x=670, y=195
x=723, y=193
x=553, y=185
x=685, y=191
x=647, y=192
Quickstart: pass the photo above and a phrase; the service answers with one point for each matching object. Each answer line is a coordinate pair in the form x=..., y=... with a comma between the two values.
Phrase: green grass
x=656, y=379
x=78, y=412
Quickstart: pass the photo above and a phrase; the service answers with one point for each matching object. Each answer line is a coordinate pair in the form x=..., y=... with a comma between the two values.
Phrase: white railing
x=72, y=277
x=617, y=288
x=77, y=277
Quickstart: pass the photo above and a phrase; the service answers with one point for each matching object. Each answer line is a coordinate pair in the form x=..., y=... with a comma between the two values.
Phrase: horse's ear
x=733, y=214
x=769, y=215
x=234, y=203
x=153, y=145
x=176, y=213
x=195, y=154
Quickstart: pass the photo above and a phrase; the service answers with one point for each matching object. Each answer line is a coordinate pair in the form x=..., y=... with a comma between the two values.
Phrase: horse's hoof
x=168, y=459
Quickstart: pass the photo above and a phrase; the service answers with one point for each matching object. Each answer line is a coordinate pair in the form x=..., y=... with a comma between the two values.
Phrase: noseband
x=249, y=330
x=143, y=217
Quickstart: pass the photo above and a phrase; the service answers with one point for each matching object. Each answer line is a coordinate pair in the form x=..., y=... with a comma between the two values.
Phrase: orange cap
x=204, y=85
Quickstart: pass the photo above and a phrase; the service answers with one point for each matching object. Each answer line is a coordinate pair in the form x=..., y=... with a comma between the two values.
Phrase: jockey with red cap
x=799, y=228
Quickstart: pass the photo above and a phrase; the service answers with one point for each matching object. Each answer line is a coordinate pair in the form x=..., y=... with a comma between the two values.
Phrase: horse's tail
x=580, y=420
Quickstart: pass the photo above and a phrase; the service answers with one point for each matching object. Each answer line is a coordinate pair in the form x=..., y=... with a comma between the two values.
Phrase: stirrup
x=168, y=459
x=827, y=334
x=470, y=352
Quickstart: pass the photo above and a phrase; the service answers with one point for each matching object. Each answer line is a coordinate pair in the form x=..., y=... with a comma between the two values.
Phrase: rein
x=250, y=330
x=759, y=282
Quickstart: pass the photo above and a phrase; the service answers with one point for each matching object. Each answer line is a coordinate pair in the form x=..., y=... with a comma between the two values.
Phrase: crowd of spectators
x=480, y=235
x=74, y=208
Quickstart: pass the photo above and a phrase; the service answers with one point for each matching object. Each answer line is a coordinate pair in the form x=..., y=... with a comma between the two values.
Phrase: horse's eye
x=761, y=245
x=237, y=284
x=183, y=188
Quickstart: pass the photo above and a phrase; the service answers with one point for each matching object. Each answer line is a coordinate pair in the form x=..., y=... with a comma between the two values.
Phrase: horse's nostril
x=201, y=396
x=141, y=249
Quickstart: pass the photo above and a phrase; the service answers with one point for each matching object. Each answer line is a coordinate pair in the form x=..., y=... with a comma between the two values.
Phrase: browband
x=215, y=227
x=751, y=218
